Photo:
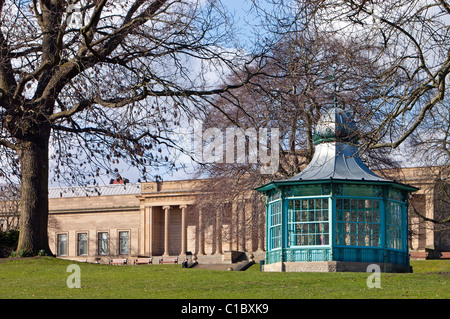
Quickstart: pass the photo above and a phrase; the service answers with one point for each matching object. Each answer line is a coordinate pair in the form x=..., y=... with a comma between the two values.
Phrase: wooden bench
x=169, y=260
x=445, y=255
x=143, y=261
x=118, y=261
x=418, y=255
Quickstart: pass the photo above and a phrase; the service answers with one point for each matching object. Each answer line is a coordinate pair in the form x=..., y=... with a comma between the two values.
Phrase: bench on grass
x=118, y=261
x=143, y=261
x=445, y=254
x=418, y=255
x=169, y=260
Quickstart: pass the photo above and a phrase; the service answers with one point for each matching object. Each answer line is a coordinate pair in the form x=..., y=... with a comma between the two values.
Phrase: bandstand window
x=358, y=222
x=275, y=225
x=394, y=225
x=308, y=222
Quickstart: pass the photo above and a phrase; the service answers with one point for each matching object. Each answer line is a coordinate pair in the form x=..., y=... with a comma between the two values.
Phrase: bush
x=25, y=253
x=8, y=242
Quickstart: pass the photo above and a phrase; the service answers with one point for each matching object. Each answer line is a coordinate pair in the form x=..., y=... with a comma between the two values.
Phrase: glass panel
x=308, y=190
x=62, y=245
x=82, y=244
x=124, y=243
x=357, y=222
x=102, y=243
x=311, y=225
x=358, y=190
x=394, y=225
x=326, y=189
x=275, y=226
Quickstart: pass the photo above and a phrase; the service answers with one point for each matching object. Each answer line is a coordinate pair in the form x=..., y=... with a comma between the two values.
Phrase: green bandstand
x=336, y=215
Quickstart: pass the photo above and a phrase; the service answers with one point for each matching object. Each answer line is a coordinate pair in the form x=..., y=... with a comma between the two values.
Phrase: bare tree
x=430, y=145
x=93, y=84
x=409, y=41
x=303, y=73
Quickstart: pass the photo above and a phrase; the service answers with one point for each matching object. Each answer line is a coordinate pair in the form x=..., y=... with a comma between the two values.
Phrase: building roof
x=90, y=191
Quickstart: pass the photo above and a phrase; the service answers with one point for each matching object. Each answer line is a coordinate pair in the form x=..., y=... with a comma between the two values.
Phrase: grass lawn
x=45, y=277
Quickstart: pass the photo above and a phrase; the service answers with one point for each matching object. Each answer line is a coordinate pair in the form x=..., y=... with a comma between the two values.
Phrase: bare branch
x=7, y=144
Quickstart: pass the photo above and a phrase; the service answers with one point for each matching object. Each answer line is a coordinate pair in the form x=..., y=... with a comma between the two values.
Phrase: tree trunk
x=33, y=156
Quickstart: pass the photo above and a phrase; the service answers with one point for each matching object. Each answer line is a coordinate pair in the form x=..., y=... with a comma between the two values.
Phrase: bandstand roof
x=336, y=155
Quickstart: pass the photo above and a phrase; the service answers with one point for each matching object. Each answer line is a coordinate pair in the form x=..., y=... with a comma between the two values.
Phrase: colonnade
x=164, y=232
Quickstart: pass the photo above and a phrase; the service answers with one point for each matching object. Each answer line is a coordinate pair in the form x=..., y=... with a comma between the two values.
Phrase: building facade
x=162, y=219
x=148, y=219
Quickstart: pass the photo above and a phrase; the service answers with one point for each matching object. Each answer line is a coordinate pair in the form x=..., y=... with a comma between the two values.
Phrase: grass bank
x=45, y=277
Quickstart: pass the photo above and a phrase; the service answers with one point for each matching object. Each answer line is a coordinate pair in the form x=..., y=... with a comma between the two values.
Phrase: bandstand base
x=334, y=266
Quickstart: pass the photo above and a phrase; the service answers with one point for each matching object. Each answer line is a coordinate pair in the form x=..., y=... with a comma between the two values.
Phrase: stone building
x=161, y=219
x=148, y=219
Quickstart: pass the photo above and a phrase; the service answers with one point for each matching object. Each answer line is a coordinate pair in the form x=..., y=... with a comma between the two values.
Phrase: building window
x=82, y=244
x=358, y=222
x=308, y=222
x=62, y=245
x=124, y=243
x=103, y=243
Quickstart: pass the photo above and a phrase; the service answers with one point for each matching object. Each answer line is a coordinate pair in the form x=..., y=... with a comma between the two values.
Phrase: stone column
x=166, y=229
x=415, y=232
x=201, y=234
x=219, y=219
x=234, y=228
x=261, y=231
x=183, y=230
x=241, y=226
x=429, y=213
x=142, y=232
x=146, y=231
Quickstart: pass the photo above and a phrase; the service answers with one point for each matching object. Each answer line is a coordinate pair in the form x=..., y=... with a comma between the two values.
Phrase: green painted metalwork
x=274, y=226
x=308, y=221
x=342, y=222
x=336, y=208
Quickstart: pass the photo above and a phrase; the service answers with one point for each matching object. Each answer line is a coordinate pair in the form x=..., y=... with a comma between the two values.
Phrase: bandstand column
x=166, y=229
x=183, y=229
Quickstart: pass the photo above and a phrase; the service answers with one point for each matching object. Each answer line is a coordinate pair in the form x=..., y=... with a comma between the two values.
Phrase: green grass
x=45, y=277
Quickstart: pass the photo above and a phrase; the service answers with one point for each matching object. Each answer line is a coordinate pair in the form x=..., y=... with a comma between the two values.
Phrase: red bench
x=445, y=255
x=418, y=255
x=143, y=261
x=118, y=261
x=169, y=260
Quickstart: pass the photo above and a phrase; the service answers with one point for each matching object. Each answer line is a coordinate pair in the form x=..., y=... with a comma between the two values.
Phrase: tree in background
x=302, y=75
x=93, y=84
x=385, y=61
